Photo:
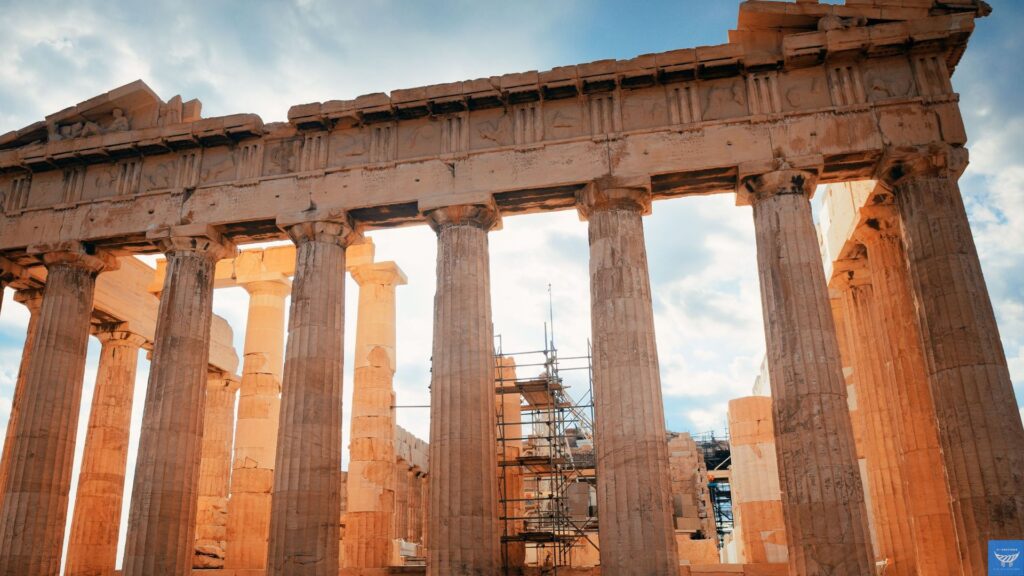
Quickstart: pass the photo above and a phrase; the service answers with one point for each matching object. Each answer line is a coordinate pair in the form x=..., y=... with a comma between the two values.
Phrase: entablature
x=685, y=120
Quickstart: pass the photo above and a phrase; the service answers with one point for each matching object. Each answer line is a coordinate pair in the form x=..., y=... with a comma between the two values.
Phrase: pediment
x=134, y=106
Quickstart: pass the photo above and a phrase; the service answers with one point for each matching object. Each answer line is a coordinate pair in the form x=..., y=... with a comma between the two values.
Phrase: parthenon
x=858, y=455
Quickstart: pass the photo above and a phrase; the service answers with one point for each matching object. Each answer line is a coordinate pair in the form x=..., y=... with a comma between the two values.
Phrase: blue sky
x=263, y=57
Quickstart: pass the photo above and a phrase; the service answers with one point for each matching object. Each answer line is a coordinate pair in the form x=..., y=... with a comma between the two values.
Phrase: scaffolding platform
x=556, y=462
x=540, y=537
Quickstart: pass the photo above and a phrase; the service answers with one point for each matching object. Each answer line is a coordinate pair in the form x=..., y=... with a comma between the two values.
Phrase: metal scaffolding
x=556, y=464
x=718, y=459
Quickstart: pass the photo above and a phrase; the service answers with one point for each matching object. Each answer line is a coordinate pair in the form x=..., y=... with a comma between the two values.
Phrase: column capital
x=878, y=222
x=937, y=160
x=383, y=273
x=316, y=225
x=216, y=379
x=601, y=196
x=850, y=272
x=11, y=271
x=280, y=286
x=199, y=238
x=117, y=334
x=75, y=254
x=31, y=298
x=778, y=182
x=483, y=216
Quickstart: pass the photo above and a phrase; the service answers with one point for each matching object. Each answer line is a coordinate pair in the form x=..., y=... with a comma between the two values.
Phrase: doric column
x=980, y=432
x=259, y=407
x=162, y=517
x=633, y=483
x=42, y=449
x=306, y=506
x=415, y=506
x=371, y=479
x=928, y=506
x=876, y=401
x=400, y=519
x=215, y=470
x=822, y=493
x=33, y=300
x=464, y=530
x=756, y=497
x=92, y=547
x=425, y=511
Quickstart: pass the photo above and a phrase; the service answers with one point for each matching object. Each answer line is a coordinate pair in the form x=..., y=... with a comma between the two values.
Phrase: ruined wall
x=696, y=534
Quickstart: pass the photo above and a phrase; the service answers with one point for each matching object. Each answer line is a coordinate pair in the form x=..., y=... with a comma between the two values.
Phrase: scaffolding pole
x=557, y=453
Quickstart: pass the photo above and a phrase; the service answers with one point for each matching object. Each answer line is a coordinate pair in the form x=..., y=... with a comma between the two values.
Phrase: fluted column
x=42, y=449
x=633, y=483
x=33, y=300
x=306, y=506
x=402, y=512
x=822, y=493
x=415, y=506
x=215, y=470
x=162, y=514
x=259, y=407
x=872, y=362
x=756, y=497
x=930, y=516
x=980, y=430
x=464, y=530
x=425, y=511
x=92, y=547
x=371, y=481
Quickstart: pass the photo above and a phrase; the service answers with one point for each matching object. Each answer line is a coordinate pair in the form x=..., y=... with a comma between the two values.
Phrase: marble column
x=464, y=529
x=425, y=511
x=400, y=518
x=633, y=483
x=259, y=407
x=215, y=470
x=822, y=494
x=162, y=514
x=33, y=300
x=92, y=546
x=980, y=432
x=371, y=483
x=306, y=507
x=42, y=448
x=930, y=515
x=872, y=361
x=415, y=506
x=756, y=496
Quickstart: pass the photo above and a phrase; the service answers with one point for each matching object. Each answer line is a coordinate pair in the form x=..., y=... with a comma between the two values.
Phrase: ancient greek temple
x=890, y=440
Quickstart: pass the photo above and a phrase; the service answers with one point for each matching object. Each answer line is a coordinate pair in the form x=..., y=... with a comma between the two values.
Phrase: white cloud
x=263, y=58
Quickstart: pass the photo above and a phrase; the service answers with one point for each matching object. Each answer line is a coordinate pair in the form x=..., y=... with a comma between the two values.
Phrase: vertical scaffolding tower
x=718, y=459
x=554, y=511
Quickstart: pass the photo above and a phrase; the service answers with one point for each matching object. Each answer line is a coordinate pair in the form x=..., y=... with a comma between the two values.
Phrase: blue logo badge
x=1006, y=558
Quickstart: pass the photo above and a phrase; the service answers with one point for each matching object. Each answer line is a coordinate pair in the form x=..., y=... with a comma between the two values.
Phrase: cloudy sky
x=263, y=57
